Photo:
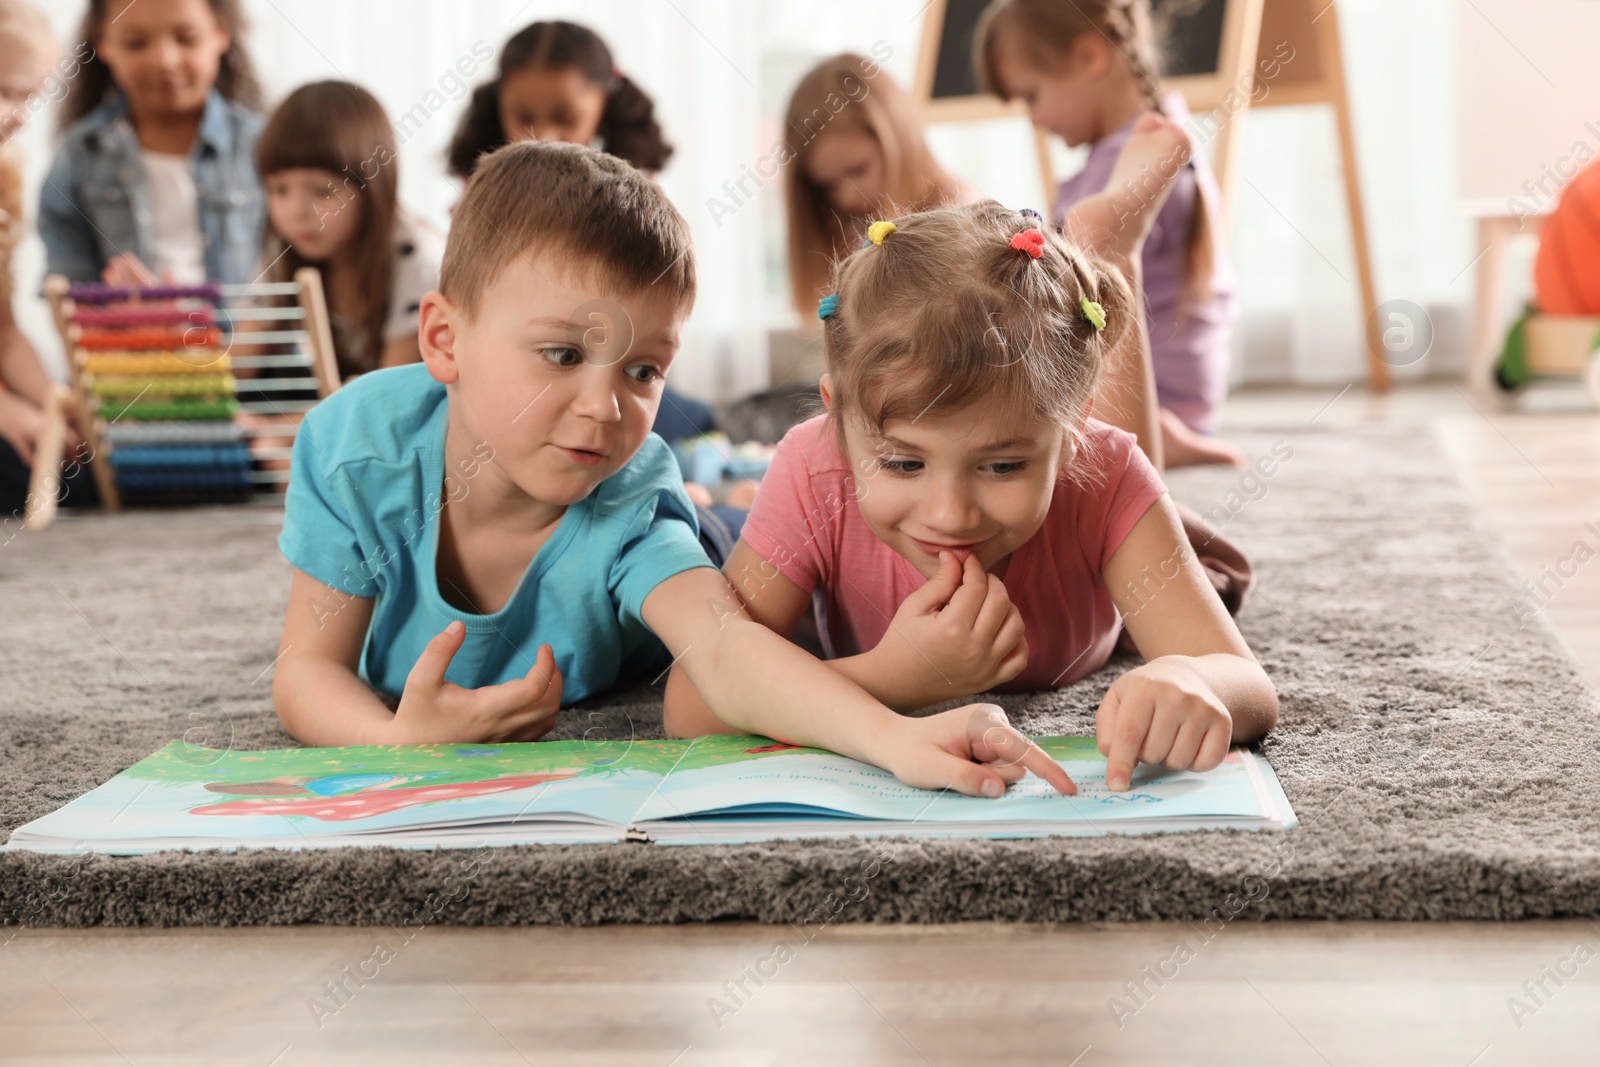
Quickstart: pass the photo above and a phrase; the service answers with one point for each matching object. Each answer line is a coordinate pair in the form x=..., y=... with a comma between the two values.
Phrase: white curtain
x=720, y=72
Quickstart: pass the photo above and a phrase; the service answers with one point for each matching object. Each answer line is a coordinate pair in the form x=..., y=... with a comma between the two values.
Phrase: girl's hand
x=434, y=711
x=973, y=750
x=1162, y=712
x=959, y=633
x=128, y=271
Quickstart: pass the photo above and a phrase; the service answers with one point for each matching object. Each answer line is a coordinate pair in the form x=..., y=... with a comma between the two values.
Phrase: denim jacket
x=95, y=202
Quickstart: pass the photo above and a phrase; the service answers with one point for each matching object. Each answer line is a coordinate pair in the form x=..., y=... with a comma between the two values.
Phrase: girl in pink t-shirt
x=968, y=524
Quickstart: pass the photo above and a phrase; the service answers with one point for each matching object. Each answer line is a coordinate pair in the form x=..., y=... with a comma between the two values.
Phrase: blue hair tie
x=1030, y=211
x=828, y=306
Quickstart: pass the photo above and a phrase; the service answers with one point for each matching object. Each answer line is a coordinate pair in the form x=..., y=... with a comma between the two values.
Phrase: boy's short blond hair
x=572, y=203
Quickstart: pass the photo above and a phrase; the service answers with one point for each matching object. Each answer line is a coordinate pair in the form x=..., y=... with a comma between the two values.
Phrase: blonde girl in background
x=1087, y=70
x=855, y=152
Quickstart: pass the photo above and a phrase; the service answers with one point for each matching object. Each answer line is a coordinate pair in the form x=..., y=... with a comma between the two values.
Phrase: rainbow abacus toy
x=173, y=385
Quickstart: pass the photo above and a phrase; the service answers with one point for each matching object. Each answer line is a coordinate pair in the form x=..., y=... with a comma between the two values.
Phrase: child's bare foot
x=1183, y=447
x=1116, y=220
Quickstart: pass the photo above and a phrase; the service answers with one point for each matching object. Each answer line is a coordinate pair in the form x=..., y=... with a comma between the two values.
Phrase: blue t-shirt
x=366, y=489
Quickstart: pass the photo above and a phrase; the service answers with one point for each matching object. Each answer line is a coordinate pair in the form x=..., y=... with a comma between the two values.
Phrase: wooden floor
x=1452, y=995
x=1281, y=995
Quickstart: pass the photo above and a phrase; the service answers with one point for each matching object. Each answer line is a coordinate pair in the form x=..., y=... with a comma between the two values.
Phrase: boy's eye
x=563, y=355
x=643, y=373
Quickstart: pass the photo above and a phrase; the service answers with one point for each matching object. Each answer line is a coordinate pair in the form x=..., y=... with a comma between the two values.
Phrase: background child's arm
x=1126, y=394
x=323, y=702
x=1200, y=688
x=756, y=681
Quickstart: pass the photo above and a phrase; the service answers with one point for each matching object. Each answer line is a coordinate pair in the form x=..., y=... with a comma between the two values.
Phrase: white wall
x=720, y=71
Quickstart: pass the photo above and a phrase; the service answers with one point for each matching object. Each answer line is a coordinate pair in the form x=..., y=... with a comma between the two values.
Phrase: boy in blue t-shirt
x=496, y=531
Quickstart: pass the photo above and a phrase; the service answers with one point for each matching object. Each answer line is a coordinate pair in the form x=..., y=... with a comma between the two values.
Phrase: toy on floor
x=165, y=418
x=711, y=458
x=1559, y=333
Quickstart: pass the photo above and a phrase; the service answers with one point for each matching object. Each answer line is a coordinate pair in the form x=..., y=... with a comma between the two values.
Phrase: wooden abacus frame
x=74, y=403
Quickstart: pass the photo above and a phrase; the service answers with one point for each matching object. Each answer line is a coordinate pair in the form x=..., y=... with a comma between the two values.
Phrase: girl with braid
x=1087, y=70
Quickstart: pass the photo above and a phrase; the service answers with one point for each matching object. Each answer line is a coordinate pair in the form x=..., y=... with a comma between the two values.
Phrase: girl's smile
x=962, y=482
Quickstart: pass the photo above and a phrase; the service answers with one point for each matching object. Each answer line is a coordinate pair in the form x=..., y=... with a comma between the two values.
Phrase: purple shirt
x=1189, y=341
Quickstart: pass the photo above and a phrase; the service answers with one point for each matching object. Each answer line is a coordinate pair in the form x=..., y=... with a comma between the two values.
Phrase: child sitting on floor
x=27, y=53
x=1087, y=70
x=857, y=152
x=496, y=532
x=156, y=174
x=329, y=164
x=970, y=526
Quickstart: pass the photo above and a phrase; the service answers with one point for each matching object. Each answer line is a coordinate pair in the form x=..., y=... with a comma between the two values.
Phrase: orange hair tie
x=1030, y=241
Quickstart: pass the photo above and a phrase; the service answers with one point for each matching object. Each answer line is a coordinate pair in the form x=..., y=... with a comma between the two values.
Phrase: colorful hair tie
x=1030, y=241
x=879, y=230
x=1094, y=313
x=828, y=306
x=1030, y=211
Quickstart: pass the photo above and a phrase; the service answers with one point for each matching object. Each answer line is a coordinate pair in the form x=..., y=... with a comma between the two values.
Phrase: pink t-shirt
x=806, y=523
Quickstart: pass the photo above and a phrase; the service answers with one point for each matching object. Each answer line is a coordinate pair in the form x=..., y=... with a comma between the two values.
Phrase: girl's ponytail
x=628, y=127
x=478, y=133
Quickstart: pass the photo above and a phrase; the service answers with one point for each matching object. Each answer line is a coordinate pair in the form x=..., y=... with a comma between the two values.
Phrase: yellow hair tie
x=879, y=230
x=1094, y=313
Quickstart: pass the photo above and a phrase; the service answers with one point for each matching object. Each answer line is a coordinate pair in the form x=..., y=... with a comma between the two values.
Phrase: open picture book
x=710, y=790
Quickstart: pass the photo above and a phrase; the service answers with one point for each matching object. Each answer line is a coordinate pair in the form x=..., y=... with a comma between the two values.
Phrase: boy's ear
x=436, y=337
x=825, y=385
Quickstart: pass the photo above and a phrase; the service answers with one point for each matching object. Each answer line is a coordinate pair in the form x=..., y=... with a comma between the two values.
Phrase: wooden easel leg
x=44, y=480
x=1041, y=144
x=1377, y=368
x=1225, y=164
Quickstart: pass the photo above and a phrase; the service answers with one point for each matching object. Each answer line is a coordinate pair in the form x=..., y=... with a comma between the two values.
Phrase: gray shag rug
x=1440, y=756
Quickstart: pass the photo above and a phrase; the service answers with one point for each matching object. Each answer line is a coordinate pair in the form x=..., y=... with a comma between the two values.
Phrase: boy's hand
x=1161, y=712
x=959, y=632
x=973, y=750
x=434, y=711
